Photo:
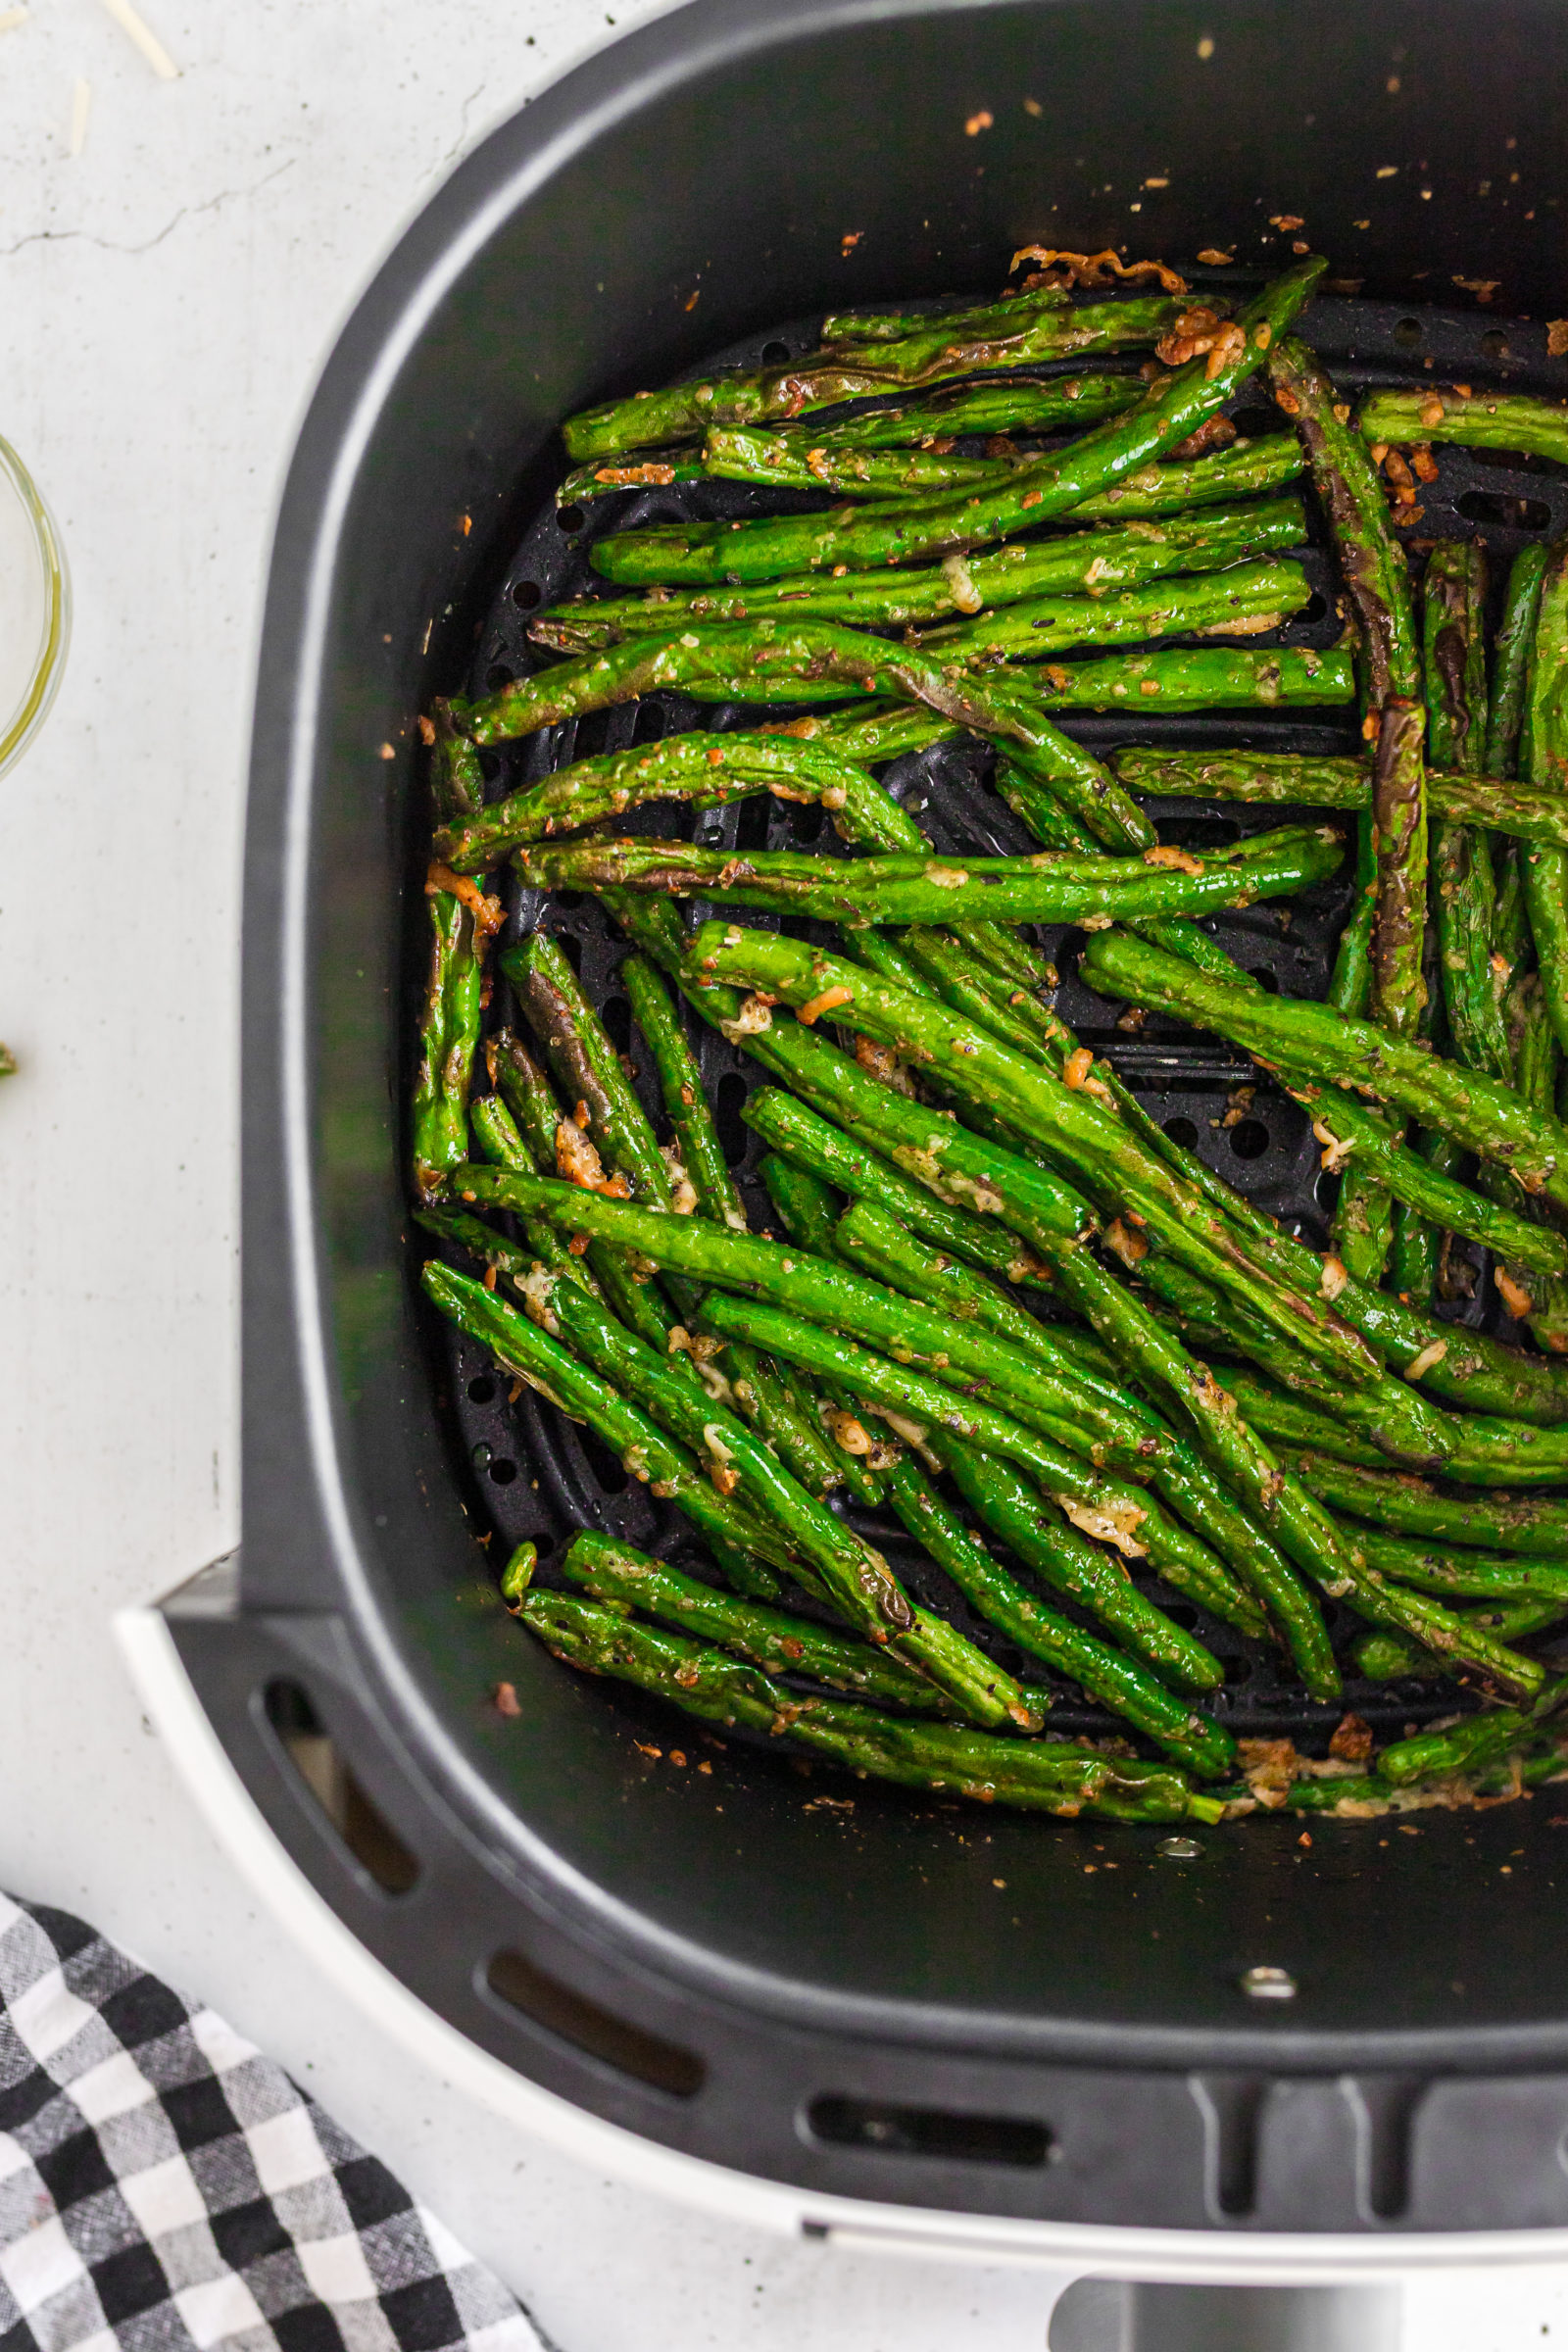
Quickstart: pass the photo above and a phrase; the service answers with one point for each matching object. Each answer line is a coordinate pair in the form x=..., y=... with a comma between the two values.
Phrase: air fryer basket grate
x=532, y=1473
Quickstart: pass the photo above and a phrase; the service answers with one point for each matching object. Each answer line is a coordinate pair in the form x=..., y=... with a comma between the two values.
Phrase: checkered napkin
x=164, y=2187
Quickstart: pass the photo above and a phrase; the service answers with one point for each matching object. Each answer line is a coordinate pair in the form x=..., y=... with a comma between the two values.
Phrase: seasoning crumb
x=506, y=1699
x=849, y=241
x=999, y=1882
x=643, y=1749
x=387, y=752
x=677, y=1755
x=1032, y=106
x=693, y=300
x=1556, y=337
x=1206, y=47
x=704, y=1766
x=978, y=123
x=1305, y=1838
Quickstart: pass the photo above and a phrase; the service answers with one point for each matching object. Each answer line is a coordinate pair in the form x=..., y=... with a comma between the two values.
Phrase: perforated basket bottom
x=535, y=1475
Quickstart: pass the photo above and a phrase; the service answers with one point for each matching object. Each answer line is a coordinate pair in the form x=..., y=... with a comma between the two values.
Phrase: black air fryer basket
x=883, y=1999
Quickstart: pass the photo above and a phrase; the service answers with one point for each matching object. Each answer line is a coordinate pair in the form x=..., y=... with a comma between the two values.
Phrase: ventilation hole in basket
x=593, y=733
x=1179, y=1614
x=489, y=765
x=617, y=1017
x=482, y=1391
x=499, y=675
x=614, y=2040
x=570, y=520
x=502, y=1471
x=319, y=1763
x=775, y=355
x=1495, y=343
x=1267, y=981
x=1326, y=1191
x=751, y=828
x=1237, y=1668
x=571, y=947
x=1232, y=2102
x=1250, y=1140
x=1407, y=335
x=732, y=1133
x=527, y=594
x=609, y=1472
x=932, y=2132
x=1182, y=1132
x=1202, y=832
x=1314, y=607
x=1509, y=514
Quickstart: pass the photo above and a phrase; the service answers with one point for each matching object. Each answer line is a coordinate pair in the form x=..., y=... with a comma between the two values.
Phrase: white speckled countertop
x=166, y=295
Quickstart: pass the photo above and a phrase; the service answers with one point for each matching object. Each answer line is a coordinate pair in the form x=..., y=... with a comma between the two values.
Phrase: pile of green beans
x=980, y=1304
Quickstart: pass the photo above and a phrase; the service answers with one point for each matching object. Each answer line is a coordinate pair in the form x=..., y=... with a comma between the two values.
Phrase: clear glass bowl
x=35, y=609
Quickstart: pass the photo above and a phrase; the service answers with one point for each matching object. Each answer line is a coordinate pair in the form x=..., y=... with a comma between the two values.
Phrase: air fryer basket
x=912, y=2002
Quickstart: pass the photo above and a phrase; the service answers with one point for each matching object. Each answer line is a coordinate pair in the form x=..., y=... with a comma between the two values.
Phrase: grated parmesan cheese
x=138, y=30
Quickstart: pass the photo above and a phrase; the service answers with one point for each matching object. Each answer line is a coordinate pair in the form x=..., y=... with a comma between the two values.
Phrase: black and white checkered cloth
x=164, y=2187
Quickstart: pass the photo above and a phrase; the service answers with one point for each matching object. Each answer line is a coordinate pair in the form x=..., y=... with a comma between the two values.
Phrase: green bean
x=1050, y=887
x=1413, y=1506
x=449, y=1037
x=641, y=1445
x=537, y=1141
x=1039, y=1774
x=1484, y=421
x=1009, y=404
x=1391, y=1657
x=1065, y=1119
x=828, y=1154
x=1032, y=328
x=1457, y=1574
x=1511, y=660
x=1478, y=1738
x=1376, y=578
x=1106, y=1508
x=1277, y=778
x=586, y=1064
x=772, y=1638
x=850, y=1571
x=1544, y=762
x=1078, y=563
x=1464, y=894
x=708, y=770
x=1116, y=1682
x=907, y=529
x=1243, y=601
x=1478, y=1112
x=1399, y=827
x=1070, y=1565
